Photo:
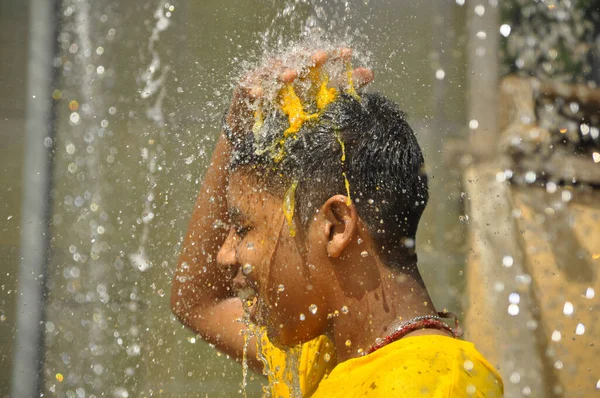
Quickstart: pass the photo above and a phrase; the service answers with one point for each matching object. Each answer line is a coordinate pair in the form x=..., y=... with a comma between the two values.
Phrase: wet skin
x=202, y=296
x=287, y=275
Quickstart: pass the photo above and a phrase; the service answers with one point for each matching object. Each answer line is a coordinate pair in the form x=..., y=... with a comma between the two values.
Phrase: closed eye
x=242, y=231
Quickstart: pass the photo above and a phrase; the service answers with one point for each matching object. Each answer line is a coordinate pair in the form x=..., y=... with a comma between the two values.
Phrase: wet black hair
x=383, y=164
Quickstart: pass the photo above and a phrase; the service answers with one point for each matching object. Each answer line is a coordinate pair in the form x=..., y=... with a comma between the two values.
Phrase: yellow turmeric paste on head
x=292, y=107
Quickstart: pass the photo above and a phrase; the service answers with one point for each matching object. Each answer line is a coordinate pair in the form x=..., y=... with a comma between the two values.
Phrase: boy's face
x=290, y=275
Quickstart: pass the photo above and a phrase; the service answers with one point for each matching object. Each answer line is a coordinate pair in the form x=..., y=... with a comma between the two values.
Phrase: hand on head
x=261, y=87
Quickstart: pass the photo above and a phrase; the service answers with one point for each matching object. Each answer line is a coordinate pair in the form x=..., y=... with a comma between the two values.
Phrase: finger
x=255, y=92
x=288, y=76
x=361, y=77
x=343, y=54
x=318, y=58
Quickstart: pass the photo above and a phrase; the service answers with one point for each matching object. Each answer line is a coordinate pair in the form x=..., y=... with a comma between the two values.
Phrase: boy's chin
x=284, y=338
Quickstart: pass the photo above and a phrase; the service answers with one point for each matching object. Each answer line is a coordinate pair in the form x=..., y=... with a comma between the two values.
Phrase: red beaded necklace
x=420, y=322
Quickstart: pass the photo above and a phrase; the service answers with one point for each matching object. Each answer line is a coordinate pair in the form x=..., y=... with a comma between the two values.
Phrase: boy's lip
x=241, y=281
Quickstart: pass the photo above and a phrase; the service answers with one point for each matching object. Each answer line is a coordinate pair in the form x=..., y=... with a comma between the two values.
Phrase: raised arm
x=201, y=295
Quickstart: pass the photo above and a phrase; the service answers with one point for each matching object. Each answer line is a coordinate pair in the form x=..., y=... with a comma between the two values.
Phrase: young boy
x=307, y=217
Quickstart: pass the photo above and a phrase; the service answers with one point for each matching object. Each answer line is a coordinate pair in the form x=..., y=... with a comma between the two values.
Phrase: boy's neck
x=398, y=297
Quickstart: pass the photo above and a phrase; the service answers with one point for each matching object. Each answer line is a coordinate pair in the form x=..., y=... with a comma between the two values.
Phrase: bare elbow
x=177, y=302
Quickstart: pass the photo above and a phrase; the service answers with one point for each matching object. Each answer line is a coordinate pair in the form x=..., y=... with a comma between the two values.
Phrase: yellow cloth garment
x=419, y=366
x=316, y=359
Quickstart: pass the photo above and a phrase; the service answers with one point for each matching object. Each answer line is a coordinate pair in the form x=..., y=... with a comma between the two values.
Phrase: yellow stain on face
x=289, y=204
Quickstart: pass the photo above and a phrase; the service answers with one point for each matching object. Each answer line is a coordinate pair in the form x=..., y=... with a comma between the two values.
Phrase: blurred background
x=109, y=111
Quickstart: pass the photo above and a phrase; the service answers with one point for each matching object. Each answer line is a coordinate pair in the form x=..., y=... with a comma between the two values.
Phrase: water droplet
x=514, y=298
x=344, y=310
x=479, y=10
x=313, y=309
x=596, y=157
x=280, y=288
x=359, y=241
x=74, y=118
x=473, y=124
x=468, y=365
x=589, y=293
x=580, y=329
x=558, y=364
x=556, y=336
x=348, y=343
x=513, y=309
x=327, y=357
x=551, y=187
x=133, y=350
x=302, y=317
x=250, y=246
x=507, y=261
x=530, y=177
x=364, y=253
x=147, y=217
x=568, y=308
x=247, y=269
x=505, y=30
x=440, y=74
x=515, y=378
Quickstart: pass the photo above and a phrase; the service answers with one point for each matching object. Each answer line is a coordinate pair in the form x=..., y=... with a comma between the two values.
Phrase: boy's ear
x=341, y=223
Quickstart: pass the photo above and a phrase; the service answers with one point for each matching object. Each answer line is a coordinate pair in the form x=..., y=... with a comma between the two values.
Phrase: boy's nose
x=226, y=256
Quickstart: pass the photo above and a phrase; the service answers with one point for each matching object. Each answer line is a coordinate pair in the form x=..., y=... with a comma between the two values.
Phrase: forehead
x=248, y=195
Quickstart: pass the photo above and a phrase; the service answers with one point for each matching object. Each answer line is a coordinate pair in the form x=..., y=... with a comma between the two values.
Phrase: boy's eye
x=241, y=231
